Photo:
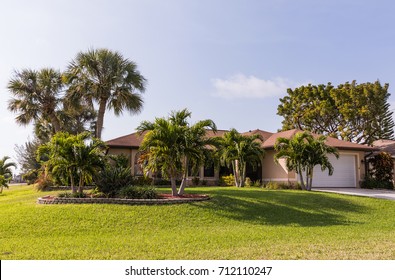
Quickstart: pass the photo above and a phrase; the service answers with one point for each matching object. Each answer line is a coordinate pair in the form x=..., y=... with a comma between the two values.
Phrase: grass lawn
x=246, y=223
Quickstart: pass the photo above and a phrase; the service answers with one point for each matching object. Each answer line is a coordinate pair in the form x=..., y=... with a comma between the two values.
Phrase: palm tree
x=105, y=77
x=36, y=96
x=302, y=153
x=76, y=157
x=171, y=143
x=237, y=149
x=5, y=172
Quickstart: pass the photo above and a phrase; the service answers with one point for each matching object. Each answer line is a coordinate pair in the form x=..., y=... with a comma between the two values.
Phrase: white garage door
x=343, y=174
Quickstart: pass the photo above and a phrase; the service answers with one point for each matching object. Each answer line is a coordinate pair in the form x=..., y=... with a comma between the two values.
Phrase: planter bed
x=164, y=199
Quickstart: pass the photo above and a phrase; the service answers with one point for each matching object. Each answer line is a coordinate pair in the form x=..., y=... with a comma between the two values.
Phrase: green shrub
x=195, y=181
x=257, y=184
x=142, y=181
x=72, y=195
x=227, y=180
x=372, y=183
x=282, y=186
x=141, y=192
x=111, y=179
x=247, y=182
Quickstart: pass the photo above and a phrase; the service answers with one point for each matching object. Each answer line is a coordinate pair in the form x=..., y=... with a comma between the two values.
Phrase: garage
x=344, y=174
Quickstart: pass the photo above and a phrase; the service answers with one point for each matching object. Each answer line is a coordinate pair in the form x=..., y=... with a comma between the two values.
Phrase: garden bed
x=163, y=199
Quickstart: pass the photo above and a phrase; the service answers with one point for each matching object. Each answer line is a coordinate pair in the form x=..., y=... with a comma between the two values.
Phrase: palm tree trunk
x=55, y=122
x=234, y=171
x=243, y=174
x=184, y=177
x=173, y=186
x=72, y=183
x=100, y=117
x=81, y=184
x=301, y=179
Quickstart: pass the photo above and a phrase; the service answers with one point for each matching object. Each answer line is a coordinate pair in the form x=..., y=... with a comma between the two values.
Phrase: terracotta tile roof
x=384, y=145
x=134, y=140
x=330, y=141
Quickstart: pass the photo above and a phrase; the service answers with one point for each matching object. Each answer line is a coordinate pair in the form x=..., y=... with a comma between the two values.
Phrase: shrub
x=283, y=186
x=72, y=195
x=372, y=183
x=44, y=183
x=227, y=180
x=257, y=184
x=195, y=181
x=111, y=179
x=142, y=181
x=247, y=182
x=143, y=192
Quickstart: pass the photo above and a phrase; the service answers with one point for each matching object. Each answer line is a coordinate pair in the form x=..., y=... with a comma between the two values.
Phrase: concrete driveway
x=383, y=194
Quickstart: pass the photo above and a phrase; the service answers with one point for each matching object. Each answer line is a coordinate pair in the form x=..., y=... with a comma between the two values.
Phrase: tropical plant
x=71, y=156
x=302, y=153
x=170, y=145
x=36, y=96
x=237, y=149
x=5, y=172
x=381, y=172
x=362, y=111
x=105, y=77
x=111, y=179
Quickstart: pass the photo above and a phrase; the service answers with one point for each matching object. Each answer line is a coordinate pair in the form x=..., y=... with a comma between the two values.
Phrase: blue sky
x=230, y=61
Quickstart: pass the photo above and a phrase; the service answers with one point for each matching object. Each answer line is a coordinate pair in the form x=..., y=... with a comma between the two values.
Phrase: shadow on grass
x=297, y=208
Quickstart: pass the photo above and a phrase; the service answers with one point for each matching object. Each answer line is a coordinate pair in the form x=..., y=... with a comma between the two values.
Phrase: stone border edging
x=69, y=200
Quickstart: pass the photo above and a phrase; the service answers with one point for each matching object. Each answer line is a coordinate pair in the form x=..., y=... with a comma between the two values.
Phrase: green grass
x=236, y=223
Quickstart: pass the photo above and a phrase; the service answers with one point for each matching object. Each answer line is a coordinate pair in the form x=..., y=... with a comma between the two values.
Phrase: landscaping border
x=69, y=200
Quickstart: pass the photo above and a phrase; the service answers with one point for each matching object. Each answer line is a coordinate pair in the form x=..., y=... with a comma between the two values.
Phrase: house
x=349, y=168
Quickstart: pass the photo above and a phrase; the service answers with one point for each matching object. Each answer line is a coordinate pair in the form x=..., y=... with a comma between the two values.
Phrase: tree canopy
x=354, y=112
x=236, y=150
x=302, y=153
x=171, y=143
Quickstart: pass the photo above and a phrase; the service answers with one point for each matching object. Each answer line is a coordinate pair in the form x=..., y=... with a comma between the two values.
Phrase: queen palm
x=5, y=172
x=36, y=96
x=302, y=153
x=237, y=149
x=107, y=78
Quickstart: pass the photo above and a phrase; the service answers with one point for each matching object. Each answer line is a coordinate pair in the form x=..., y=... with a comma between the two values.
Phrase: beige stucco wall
x=275, y=172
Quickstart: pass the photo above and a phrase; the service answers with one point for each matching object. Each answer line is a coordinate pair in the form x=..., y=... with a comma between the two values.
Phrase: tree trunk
x=184, y=178
x=73, y=190
x=243, y=174
x=173, y=186
x=234, y=171
x=302, y=180
x=55, y=122
x=100, y=117
x=81, y=184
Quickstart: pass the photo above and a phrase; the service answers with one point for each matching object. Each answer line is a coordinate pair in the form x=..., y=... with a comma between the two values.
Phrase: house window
x=209, y=170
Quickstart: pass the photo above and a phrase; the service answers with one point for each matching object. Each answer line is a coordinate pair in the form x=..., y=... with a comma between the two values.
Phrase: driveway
x=383, y=194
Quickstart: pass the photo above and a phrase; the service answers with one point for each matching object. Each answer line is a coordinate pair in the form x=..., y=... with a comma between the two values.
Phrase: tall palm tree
x=302, y=153
x=170, y=143
x=237, y=149
x=107, y=78
x=36, y=96
x=5, y=172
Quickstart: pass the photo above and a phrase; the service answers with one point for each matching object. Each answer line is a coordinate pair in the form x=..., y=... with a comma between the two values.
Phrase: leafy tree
x=382, y=170
x=105, y=77
x=36, y=96
x=5, y=172
x=170, y=143
x=237, y=149
x=354, y=112
x=74, y=156
x=302, y=153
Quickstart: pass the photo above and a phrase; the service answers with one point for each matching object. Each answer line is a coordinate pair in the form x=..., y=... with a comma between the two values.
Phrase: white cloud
x=241, y=86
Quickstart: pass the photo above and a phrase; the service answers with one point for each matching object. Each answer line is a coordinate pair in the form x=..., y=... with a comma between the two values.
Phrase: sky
x=226, y=60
